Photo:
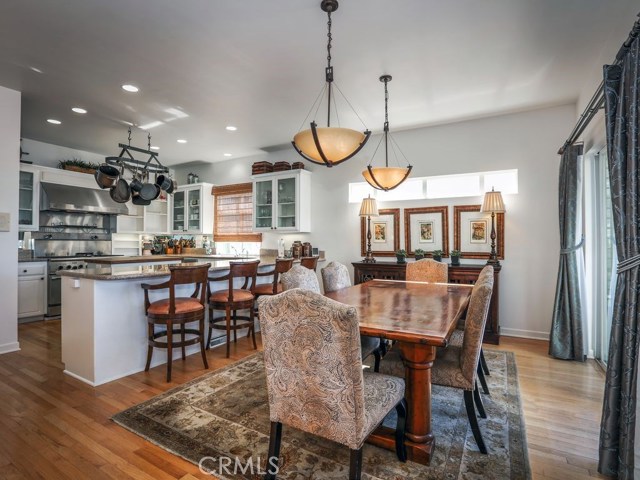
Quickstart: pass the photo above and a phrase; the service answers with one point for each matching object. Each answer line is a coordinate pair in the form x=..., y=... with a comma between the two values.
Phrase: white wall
x=9, y=156
x=49, y=155
x=527, y=141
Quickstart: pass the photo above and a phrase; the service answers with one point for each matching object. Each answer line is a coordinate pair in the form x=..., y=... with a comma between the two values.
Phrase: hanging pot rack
x=152, y=165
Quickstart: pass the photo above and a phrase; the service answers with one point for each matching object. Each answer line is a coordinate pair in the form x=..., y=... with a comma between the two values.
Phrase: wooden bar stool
x=309, y=262
x=282, y=265
x=233, y=299
x=177, y=311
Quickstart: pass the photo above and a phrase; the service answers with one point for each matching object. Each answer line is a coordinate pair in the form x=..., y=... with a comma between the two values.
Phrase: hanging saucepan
x=163, y=182
x=106, y=175
x=149, y=191
x=173, y=186
x=121, y=193
x=136, y=199
x=136, y=184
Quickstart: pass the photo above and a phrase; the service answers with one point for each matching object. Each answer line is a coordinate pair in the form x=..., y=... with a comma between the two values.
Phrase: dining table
x=420, y=317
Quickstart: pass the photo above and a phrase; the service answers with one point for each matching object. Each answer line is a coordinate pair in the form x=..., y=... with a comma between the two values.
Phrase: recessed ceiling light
x=130, y=88
x=231, y=128
x=79, y=110
x=182, y=140
x=153, y=147
x=226, y=154
x=37, y=70
x=150, y=125
x=54, y=121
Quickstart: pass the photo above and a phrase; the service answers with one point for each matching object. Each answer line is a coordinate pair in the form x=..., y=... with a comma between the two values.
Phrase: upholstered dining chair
x=233, y=299
x=177, y=311
x=335, y=276
x=457, y=367
x=300, y=277
x=458, y=335
x=427, y=270
x=310, y=395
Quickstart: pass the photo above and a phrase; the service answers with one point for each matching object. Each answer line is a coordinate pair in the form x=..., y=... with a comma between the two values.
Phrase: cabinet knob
x=24, y=271
x=41, y=278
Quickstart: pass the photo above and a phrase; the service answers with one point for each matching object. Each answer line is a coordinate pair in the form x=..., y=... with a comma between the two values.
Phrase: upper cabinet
x=192, y=210
x=29, y=198
x=282, y=201
x=152, y=218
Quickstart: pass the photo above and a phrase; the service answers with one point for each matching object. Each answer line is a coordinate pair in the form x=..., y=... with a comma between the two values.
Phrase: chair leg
x=228, y=322
x=274, y=450
x=252, y=328
x=478, y=401
x=378, y=357
x=149, y=348
x=473, y=420
x=355, y=464
x=483, y=381
x=235, y=331
x=483, y=362
x=383, y=347
x=202, y=347
x=184, y=357
x=169, y=348
x=210, y=327
x=401, y=448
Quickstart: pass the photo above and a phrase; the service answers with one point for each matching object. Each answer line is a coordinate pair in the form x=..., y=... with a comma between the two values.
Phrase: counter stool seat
x=183, y=305
x=221, y=298
x=267, y=289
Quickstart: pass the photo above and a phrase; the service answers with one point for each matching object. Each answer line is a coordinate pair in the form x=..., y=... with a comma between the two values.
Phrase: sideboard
x=463, y=273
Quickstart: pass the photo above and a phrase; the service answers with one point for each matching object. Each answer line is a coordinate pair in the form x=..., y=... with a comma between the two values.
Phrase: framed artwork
x=427, y=229
x=385, y=233
x=472, y=232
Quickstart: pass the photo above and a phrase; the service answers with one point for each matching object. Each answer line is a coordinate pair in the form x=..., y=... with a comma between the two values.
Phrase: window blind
x=233, y=214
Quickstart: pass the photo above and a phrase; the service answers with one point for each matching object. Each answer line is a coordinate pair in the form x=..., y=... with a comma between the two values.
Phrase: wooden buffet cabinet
x=463, y=273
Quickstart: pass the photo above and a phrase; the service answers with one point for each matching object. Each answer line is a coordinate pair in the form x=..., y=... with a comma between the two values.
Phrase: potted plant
x=437, y=255
x=419, y=253
x=455, y=257
x=401, y=256
x=77, y=165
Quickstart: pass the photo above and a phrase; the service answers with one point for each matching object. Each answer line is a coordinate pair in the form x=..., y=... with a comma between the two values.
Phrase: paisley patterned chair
x=335, y=276
x=300, y=277
x=457, y=367
x=314, y=376
x=427, y=270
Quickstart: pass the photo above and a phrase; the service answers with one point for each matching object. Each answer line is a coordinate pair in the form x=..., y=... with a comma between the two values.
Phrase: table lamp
x=493, y=203
x=369, y=209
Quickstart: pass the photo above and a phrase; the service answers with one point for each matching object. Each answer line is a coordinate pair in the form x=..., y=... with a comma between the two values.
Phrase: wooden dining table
x=420, y=317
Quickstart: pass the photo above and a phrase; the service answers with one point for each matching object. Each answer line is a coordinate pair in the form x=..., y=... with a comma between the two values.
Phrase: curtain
x=566, y=340
x=233, y=213
x=617, y=428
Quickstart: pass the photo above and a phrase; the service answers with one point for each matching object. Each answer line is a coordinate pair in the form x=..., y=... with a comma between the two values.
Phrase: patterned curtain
x=566, y=339
x=617, y=428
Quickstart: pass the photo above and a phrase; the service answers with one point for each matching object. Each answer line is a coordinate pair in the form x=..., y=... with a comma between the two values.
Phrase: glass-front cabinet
x=282, y=201
x=192, y=210
x=28, y=197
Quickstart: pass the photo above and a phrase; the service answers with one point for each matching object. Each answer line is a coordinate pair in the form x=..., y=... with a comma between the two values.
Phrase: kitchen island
x=104, y=328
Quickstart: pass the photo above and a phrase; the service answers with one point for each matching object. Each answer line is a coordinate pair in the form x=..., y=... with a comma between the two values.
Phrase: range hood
x=65, y=198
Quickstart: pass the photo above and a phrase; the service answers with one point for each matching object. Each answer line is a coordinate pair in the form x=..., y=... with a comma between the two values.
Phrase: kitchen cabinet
x=192, y=209
x=29, y=198
x=282, y=201
x=152, y=218
x=32, y=294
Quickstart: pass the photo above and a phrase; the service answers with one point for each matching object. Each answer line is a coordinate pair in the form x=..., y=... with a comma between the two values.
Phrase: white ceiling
x=259, y=65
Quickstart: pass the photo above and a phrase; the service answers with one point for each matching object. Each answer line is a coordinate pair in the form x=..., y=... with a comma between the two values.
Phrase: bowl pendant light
x=386, y=178
x=329, y=145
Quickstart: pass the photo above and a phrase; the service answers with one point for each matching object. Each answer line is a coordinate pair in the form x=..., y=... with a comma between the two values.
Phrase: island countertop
x=121, y=260
x=130, y=270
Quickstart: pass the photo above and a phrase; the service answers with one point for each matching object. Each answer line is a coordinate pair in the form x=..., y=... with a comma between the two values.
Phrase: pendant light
x=331, y=145
x=386, y=178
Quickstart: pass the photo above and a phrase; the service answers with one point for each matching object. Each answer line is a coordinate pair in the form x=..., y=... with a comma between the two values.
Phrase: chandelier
x=386, y=178
x=331, y=145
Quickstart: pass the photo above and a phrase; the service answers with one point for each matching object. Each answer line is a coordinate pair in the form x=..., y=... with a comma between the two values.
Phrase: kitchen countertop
x=162, y=258
x=120, y=271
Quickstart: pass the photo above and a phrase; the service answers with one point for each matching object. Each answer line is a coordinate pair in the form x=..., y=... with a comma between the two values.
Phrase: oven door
x=54, y=297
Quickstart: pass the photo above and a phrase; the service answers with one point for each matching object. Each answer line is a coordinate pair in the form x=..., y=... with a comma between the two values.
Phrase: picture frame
x=388, y=238
x=426, y=228
x=472, y=232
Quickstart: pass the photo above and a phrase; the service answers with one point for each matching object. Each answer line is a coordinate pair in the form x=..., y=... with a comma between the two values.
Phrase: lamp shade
x=493, y=202
x=369, y=207
x=337, y=144
x=385, y=178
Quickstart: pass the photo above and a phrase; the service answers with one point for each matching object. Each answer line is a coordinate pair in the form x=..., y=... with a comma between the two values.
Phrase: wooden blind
x=233, y=214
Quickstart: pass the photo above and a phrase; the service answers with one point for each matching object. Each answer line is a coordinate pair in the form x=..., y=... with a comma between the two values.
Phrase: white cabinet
x=152, y=218
x=282, y=201
x=32, y=294
x=29, y=198
x=192, y=210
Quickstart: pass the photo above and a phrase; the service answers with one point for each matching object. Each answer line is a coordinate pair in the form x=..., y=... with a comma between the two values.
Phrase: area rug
x=220, y=421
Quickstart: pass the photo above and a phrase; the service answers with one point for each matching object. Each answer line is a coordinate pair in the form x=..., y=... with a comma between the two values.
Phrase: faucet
x=242, y=254
x=235, y=250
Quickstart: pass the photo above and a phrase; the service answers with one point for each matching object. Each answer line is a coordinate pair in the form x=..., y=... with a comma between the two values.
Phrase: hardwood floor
x=55, y=427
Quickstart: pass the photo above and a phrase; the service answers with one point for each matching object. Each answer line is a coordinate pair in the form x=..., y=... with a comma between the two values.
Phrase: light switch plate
x=5, y=221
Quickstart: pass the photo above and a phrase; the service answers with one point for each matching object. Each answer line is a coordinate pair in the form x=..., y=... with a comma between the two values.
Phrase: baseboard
x=515, y=332
x=9, y=347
